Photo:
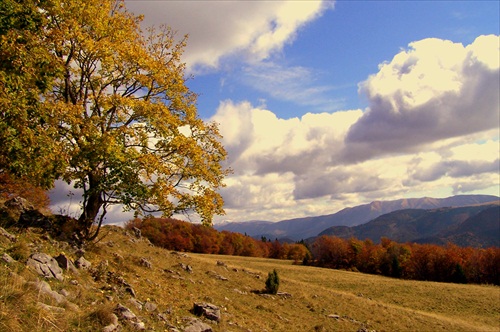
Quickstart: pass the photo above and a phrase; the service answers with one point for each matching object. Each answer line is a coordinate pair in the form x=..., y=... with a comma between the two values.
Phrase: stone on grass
x=195, y=325
x=12, y=238
x=208, y=310
x=45, y=265
x=82, y=263
x=7, y=259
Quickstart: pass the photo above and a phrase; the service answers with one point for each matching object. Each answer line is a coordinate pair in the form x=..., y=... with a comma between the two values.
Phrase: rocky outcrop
x=129, y=317
x=45, y=265
x=208, y=310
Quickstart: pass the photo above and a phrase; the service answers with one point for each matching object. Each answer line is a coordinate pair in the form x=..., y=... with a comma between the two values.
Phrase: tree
x=126, y=124
x=272, y=282
x=29, y=148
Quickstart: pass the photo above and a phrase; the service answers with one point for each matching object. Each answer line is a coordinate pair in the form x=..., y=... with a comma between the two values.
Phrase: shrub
x=272, y=282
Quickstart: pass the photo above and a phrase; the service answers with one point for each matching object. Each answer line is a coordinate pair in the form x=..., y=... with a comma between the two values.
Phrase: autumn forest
x=399, y=260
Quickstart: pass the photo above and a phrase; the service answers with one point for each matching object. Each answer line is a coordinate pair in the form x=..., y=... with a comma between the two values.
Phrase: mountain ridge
x=306, y=227
x=474, y=225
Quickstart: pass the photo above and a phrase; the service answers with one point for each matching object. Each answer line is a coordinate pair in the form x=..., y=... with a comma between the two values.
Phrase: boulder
x=45, y=265
x=127, y=315
x=137, y=232
x=65, y=263
x=144, y=262
x=82, y=263
x=12, y=238
x=7, y=259
x=195, y=325
x=208, y=310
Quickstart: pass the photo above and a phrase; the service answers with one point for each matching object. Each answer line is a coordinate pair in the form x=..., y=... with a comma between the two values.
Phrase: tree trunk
x=91, y=208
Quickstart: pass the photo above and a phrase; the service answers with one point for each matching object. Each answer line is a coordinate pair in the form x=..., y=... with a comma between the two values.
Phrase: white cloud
x=435, y=90
x=252, y=29
x=290, y=83
x=432, y=127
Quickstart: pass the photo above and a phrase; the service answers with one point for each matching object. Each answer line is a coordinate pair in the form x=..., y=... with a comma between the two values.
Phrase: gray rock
x=195, y=325
x=82, y=263
x=126, y=314
x=137, y=232
x=45, y=265
x=150, y=306
x=135, y=303
x=144, y=262
x=185, y=267
x=65, y=263
x=111, y=328
x=7, y=259
x=12, y=238
x=208, y=310
x=44, y=288
x=51, y=308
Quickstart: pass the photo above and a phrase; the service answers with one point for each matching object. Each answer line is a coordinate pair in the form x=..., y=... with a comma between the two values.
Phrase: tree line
x=428, y=262
x=179, y=235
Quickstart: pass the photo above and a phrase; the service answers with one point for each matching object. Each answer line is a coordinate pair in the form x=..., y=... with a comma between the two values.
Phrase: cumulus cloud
x=253, y=29
x=432, y=125
x=434, y=90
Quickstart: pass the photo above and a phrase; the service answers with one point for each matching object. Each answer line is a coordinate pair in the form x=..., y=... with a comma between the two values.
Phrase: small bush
x=272, y=282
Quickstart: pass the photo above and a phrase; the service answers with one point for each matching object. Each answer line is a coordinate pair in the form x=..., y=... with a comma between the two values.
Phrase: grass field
x=317, y=299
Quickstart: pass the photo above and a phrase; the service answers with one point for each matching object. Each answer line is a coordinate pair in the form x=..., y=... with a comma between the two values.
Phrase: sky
x=329, y=104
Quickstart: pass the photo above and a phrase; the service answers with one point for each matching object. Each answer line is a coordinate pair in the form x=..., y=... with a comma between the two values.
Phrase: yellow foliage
x=127, y=125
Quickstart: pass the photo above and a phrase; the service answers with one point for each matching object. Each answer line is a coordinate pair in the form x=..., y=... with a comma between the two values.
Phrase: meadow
x=311, y=298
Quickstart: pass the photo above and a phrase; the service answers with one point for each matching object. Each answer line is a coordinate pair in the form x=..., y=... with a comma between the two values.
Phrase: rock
x=50, y=307
x=111, y=328
x=196, y=325
x=210, y=311
x=12, y=238
x=44, y=288
x=188, y=268
x=137, y=232
x=45, y=265
x=130, y=290
x=334, y=316
x=220, y=263
x=179, y=254
x=82, y=263
x=150, y=306
x=125, y=314
x=7, y=259
x=65, y=263
x=136, y=303
x=284, y=295
x=216, y=275
x=144, y=262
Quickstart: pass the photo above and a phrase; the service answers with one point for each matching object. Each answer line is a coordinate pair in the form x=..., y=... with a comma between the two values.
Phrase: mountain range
x=475, y=226
x=303, y=228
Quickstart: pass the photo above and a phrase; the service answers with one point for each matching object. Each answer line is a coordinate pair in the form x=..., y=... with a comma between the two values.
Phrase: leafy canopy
x=122, y=124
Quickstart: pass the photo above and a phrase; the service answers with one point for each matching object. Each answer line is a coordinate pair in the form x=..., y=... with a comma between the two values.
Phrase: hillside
x=159, y=288
x=303, y=228
x=476, y=226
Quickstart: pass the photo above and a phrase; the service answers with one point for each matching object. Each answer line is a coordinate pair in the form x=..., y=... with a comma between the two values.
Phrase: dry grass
x=359, y=300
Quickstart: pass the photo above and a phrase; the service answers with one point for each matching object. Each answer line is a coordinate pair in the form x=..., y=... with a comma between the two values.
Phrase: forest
x=414, y=261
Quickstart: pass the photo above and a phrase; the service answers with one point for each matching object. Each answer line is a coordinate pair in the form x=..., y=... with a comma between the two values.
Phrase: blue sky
x=325, y=105
x=346, y=44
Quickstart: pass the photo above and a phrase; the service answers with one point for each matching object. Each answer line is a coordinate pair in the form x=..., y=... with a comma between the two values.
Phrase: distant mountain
x=477, y=226
x=303, y=228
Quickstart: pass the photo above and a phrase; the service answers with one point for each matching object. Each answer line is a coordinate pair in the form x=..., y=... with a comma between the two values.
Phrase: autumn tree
x=29, y=147
x=126, y=124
